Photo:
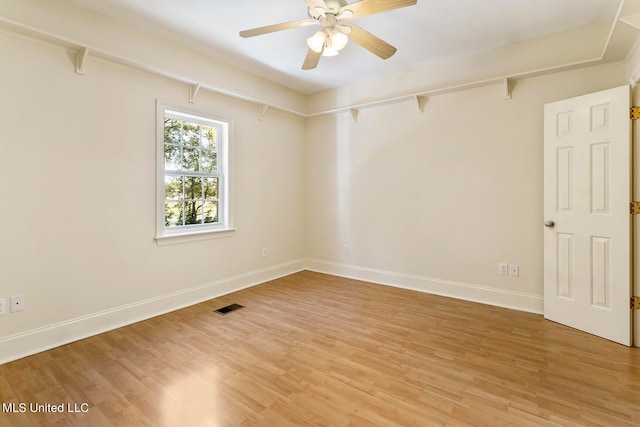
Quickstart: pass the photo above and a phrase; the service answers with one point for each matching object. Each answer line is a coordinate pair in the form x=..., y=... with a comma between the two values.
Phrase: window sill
x=194, y=236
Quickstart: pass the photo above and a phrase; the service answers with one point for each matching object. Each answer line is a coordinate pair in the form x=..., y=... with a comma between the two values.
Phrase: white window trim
x=177, y=235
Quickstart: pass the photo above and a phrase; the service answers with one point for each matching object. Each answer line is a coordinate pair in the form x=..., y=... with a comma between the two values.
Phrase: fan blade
x=312, y=59
x=370, y=42
x=369, y=7
x=273, y=28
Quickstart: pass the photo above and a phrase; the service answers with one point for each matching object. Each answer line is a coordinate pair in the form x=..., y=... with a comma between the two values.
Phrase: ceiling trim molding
x=83, y=52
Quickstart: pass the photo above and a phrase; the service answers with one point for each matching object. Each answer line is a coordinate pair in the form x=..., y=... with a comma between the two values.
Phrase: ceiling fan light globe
x=329, y=51
x=344, y=14
x=339, y=40
x=316, y=41
x=345, y=29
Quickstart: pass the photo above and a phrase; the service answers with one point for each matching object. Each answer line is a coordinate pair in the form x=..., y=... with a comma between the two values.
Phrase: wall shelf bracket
x=81, y=60
x=263, y=111
x=354, y=114
x=193, y=92
x=421, y=100
x=508, y=87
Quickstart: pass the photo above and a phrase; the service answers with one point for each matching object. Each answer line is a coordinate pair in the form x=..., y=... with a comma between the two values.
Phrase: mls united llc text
x=23, y=407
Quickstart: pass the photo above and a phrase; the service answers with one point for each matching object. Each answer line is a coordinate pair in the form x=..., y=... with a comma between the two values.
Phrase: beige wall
x=434, y=201
x=78, y=190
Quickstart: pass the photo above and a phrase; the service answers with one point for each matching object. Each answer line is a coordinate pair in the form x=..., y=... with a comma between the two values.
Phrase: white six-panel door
x=587, y=240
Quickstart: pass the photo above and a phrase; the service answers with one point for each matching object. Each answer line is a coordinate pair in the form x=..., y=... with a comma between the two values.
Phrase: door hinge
x=635, y=303
x=635, y=208
x=634, y=113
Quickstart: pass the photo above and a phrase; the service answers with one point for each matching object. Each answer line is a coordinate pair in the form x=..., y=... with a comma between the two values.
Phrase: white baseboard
x=465, y=291
x=40, y=339
x=36, y=340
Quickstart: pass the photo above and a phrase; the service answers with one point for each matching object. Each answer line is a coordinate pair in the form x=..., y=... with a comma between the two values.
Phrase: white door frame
x=635, y=222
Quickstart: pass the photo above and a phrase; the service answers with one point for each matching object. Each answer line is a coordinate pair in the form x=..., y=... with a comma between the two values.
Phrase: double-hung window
x=192, y=173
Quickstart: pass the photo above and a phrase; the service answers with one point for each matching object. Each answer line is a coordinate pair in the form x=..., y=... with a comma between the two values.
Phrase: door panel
x=587, y=187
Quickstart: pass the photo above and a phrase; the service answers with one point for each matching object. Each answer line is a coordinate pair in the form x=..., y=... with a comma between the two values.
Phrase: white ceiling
x=431, y=31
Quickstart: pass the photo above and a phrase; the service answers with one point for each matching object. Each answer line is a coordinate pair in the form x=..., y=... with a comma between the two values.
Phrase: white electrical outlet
x=514, y=270
x=265, y=251
x=345, y=249
x=3, y=304
x=17, y=303
x=503, y=268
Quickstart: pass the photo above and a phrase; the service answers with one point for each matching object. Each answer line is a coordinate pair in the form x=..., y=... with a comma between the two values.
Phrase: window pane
x=210, y=212
x=211, y=188
x=193, y=212
x=172, y=131
x=190, y=159
x=191, y=135
x=208, y=137
x=209, y=161
x=173, y=187
x=172, y=157
x=192, y=187
x=173, y=214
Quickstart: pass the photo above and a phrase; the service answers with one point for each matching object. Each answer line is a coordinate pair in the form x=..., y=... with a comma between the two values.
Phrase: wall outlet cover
x=17, y=303
x=503, y=268
x=514, y=270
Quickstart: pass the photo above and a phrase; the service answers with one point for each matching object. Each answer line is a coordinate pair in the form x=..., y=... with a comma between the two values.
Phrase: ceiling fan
x=333, y=17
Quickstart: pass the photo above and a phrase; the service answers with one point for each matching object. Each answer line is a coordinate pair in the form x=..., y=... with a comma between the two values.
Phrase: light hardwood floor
x=312, y=349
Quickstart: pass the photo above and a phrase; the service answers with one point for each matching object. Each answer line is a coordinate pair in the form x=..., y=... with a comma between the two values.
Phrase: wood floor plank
x=312, y=349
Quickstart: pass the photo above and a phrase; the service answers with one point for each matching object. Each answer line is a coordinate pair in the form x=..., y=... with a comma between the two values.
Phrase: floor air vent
x=228, y=309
